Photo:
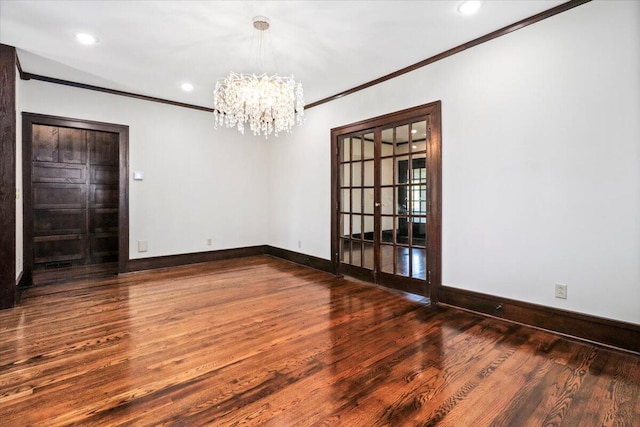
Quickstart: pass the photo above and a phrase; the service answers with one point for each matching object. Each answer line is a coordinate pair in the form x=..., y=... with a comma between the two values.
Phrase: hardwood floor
x=260, y=341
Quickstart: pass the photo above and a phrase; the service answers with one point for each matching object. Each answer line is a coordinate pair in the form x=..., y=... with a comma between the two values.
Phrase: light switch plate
x=138, y=176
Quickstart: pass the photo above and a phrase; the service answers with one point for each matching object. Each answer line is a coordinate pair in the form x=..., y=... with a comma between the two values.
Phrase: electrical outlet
x=209, y=241
x=561, y=291
x=299, y=244
x=143, y=246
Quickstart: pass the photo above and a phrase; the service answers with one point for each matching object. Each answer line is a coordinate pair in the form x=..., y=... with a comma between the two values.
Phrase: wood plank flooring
x=260, y=341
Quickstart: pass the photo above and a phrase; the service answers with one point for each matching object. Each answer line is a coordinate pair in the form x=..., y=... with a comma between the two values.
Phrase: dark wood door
x=74, y=196
x=386, y=192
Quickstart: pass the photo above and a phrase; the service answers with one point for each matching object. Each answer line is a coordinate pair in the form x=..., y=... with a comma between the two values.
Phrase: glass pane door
x=357, y=204
x=386, y=199
x=404, y=202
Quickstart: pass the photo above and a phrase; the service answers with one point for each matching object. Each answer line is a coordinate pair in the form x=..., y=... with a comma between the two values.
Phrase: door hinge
x=429, y=276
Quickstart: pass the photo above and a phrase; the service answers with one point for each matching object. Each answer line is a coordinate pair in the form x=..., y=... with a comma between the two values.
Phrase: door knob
x=377, y=204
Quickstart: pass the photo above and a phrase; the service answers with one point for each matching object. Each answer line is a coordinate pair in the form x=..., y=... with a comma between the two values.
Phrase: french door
x=386, y=219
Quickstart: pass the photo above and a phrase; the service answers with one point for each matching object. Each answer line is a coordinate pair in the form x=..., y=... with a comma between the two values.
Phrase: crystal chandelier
x=267, y=104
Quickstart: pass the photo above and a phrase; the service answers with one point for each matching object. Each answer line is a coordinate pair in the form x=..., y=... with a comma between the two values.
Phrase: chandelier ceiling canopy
x=267, y=104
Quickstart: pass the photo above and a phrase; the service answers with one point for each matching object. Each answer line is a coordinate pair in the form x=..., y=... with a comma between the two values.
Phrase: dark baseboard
x=621, y=335
x=193, y=258
x=198, y=257
x=302, y=259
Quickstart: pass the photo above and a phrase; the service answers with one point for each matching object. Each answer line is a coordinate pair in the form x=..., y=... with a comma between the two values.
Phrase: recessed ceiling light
x=86, y=38
x=186, y=86
x=469, y=7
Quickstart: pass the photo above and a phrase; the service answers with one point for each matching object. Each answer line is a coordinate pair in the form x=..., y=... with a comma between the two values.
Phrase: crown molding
x=31, y=76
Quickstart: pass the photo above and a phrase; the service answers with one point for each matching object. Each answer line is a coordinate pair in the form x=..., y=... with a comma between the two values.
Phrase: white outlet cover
x=561, y=291
x=138, y=175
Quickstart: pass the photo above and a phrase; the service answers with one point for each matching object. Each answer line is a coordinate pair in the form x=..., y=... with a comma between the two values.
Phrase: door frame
x=434, y=168
x=30, y=119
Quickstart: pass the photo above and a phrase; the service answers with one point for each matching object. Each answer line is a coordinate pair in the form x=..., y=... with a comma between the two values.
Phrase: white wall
x=19, y=216
x=541, y=162
x=199, y=182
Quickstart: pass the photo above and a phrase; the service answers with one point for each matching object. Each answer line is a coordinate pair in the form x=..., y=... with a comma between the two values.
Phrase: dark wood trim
x=358, y=273
x=335, y=204
x=404, y=284
x=302, y=259
x=193, y=258
x=434, y=218
x=123, y=198
x=28, y=120
x=30, y=76
x=8, y=146
x=608, y=332
x=19, y=67
x=27, y=202
x=401, y=116
x=488, y=37
x=27, y=213
x=199, y=257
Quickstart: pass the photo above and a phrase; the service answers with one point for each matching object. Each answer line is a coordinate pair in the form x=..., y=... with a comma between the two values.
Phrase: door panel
x=75, y=196
x=59, y=196
x=59, y=221
x=72, y=146
x=103, y=148
x=45, y=143
x=103, y=245
x=103, y=196
x=59, y=172
x=103, y=220
x=49, y=249
x=357, y=209
x=104, y=175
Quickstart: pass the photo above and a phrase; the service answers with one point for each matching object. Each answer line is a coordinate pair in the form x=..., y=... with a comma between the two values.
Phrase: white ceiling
x=150, y=47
